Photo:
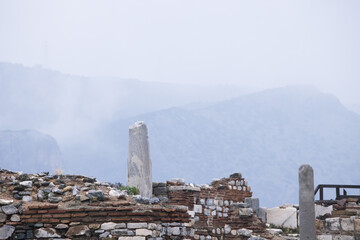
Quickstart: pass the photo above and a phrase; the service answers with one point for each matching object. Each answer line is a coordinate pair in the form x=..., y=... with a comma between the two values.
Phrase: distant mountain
x=29, y=150
x=266, y=136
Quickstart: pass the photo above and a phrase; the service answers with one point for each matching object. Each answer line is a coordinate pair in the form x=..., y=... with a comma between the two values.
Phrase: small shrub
x=130, y=190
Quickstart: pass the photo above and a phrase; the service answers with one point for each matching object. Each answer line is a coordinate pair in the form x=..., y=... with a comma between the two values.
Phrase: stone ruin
x=45, y=206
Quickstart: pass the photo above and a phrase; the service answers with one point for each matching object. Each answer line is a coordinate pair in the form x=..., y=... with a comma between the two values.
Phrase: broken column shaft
x=306, y=202
x=139, y=162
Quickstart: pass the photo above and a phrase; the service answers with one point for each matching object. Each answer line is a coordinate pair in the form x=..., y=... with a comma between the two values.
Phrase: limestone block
x=333, y=224
x=343, y=237
x=357, y=225
x=245, y=212
x=244, y=232
x=262, y=214
x=15, y=218
x=78, y=230
x=112, y=225
x=132, y=238
x=46, y=233
x=139, y=162
x=227, y=229
x=3, y=217
x=5, y=202
x=321, y=210
x=9, y=209
x=324, y=237
x=347, y=224
x=143, y=232
x=197, y=208
x=282, y=217
x=136, y=225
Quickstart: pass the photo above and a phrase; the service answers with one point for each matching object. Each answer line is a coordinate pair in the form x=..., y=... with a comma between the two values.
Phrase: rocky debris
x=9, y=209
x=6, y=231
x=43, y=187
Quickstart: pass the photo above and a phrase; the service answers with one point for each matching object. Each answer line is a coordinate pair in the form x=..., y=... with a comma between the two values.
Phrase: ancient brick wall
x=131, y=222
x=218, y=211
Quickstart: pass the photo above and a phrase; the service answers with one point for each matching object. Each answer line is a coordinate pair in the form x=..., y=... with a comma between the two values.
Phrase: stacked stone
x=343, y=223
x=9, y=216
x=47, y=221
x=219, y=209
x=44, y=187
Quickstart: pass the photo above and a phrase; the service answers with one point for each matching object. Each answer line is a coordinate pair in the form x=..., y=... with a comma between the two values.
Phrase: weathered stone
x=253, y=203
x=94, y=225
x=24, y=177
x=306, y=201
x=197, y=208
x=52, y=199
x=5, y=202
x=343, y=237
x=145, y=232
x=27, y=199
x=347, y=224
x=26, y=184
x=6, y=231
x=245, y=212
x=324, y=237
x=66, y=189
x=15, y=218
x=40, y=195
x=333, y=224
x=227, y=229
x=235, y=175
x=104, y=235
x=98, y=194
x=136, y=225
x=244, y=232
x=321, y=210
x=62, y=226
x=139, y=162
x=122, y=232
x=154, y=200
x=9, y=209
x=112, y=225
x=282, y=217
x=46, y=233
x=132, y=238
x=3, y=217
x=77, y=230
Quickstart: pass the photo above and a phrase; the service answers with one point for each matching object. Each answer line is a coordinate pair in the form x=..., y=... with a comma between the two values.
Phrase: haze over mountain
x=29, y=150
x=194, y=132
x=266, y=136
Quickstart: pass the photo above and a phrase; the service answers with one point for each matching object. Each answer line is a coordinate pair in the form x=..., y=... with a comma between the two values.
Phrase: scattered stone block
x=282, y=217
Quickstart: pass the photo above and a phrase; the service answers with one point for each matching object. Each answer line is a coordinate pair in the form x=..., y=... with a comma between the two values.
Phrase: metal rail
x=337, y=187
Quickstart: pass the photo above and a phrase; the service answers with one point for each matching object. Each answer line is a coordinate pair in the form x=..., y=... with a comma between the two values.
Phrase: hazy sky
x=253, y=43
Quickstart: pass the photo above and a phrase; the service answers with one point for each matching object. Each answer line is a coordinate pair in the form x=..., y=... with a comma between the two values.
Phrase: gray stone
x=306, y=202
x=9, y=209
x=40, y=195
x=227, y=229
x=112, y=225
x=136, y=225
x=98, y=194
x=26, y=184
x=6, y=231
x=244, y=232
x=3, y=217
x=122, y=232
x=75, y=191
x=104, y=235
x=15, y=218
x=27, y=199
x=333, y=224
x=77, y=230
x=254, y=204
x=46, y=233
x=139, y=162
x=154, y=200
x=245, y=212
x=54, y=199
x=5, y=202
x=62, y=226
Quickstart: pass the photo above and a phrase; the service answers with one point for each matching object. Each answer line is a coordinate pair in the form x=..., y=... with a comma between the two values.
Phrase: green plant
x=130, y=190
